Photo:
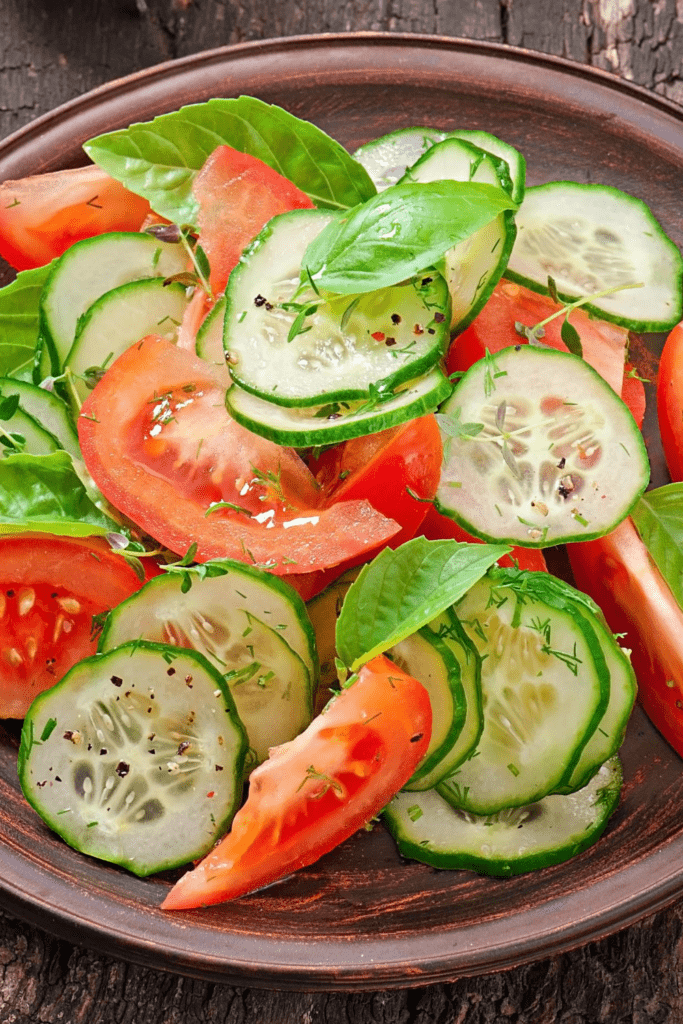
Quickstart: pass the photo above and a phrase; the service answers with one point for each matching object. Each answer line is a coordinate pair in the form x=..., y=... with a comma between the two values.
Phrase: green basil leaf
x=399, y=233
x=402, y=590
x=19, y=318
x=43, y=492
x=160, y=159
x=571, y=337
x=658, y=516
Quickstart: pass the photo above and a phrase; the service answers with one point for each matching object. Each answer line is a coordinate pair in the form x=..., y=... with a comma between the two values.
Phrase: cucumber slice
x=23, y=433
x=538, y=450
x=89, y=269
x=209, y=342
x=425, y=657
x=453, y=636
x=323, y=611
x=251, y=626
x=591, y=238
x=135, y=757
x=386, y=159
x=344, y=345
x=50, y=412
x=545, y=685
x=474, y=266
x=117, y=320
x=610, y=730
x=426, y=828
x=336, y=421
x=512, y=160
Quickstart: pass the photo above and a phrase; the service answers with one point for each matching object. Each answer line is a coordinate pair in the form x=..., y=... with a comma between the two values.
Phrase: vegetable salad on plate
x=285, y=433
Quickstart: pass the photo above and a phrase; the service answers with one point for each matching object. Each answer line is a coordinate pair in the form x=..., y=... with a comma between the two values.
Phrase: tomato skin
x=316, y=791
x=237, y=195
x=604, y=344
x=165, y=472
x=43, y=579
x=670, y=401
x=439, y=527
x=383, y=468
x=41, y=216
x=618, y=573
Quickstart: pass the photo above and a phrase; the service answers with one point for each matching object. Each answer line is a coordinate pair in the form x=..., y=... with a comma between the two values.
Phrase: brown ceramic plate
x=361, y=917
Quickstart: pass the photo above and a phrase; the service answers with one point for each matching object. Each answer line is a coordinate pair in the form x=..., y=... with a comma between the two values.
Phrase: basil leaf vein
x=159, y=159
x=658, y=516
x=400, y=591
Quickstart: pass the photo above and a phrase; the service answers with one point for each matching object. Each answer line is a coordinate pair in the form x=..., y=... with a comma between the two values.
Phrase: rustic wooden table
x=53, y=50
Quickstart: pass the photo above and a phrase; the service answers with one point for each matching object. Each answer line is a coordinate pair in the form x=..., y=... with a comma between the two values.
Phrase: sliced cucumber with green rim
x=512, y=160
x=20, y=432
x=545, y=688
x=425, y=657
x=538, y=450
x=452, y=635
x=209, y=343
x=511, y=841
x=253, y=628
x=51, y=413
x=296, y=349
x=386, y=159
x=474, y=266
x=89, y=269
x=135, y=756
x=117, y=320
x=337, y=421
x=591, y=238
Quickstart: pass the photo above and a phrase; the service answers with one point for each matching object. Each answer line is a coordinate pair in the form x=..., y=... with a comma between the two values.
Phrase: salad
x=265, y=373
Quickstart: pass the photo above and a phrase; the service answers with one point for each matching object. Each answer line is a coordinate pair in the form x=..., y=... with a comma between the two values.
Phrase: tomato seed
x=26, y=599
x=69, y=605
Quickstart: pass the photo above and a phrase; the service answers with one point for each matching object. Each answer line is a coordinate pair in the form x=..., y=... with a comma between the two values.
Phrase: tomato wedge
x=604, y=344
x=237, y=195
x=40, y=217
x=670, y=401
x=50, y=588
x=316, y=791
x=619, y=574
x=161, y=447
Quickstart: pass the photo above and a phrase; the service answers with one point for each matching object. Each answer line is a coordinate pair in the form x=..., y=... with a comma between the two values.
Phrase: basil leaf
x=571, y=337
x=19, y=318
x=398, y=233
x=658, y=516
x=160, y=159
x=400, y=591
x=43, y=492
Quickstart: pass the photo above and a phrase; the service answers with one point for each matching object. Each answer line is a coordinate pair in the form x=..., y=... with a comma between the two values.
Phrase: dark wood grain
x=56, y=53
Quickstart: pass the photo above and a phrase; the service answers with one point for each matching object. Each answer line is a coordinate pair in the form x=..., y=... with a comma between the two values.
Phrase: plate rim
x=353, y=974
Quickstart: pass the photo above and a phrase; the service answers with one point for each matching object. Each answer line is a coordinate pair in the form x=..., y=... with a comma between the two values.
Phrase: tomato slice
x=50, y=588
x=41, y=216
x=161, y=447
x=604, y=344
x=237, y=195
x=670, y=401
x=438, y=527
x=316, y=791
x=619, y=574
x=385, y=468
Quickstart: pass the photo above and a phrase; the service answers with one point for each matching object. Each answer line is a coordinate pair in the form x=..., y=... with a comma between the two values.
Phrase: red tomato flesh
x=50, y=588
x=385, y=468
x=161, y=447
x=604, y=344
x=40, y=217
x=316, y=791
x=619, y=574
x=237, y=195
x=670, y=401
